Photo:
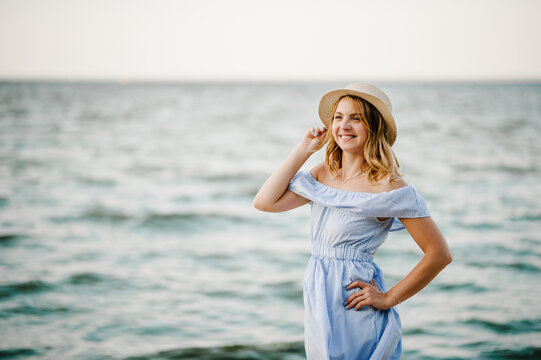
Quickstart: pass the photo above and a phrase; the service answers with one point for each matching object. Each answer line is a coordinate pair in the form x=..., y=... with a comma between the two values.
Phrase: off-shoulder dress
x=345, y=232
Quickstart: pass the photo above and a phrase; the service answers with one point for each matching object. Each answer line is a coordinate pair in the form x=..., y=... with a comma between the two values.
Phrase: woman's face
x=348, y=128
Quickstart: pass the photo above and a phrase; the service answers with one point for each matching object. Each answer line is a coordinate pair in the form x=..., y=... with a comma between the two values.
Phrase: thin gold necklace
x=344, y=181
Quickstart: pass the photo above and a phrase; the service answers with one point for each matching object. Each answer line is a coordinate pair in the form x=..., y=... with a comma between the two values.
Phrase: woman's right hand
x=274, y=196
x=314, y=139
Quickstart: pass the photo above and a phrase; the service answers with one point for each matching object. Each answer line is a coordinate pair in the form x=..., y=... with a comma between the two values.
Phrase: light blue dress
x=345, y=232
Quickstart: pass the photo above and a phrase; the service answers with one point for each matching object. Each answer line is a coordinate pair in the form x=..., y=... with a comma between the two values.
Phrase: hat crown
x=372, y=90
x=368, y=92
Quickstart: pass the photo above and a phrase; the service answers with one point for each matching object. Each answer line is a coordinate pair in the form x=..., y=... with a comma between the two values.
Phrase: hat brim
x=329, y=99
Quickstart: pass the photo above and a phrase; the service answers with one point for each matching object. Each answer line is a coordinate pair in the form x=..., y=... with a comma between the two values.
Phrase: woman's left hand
x=370, y=294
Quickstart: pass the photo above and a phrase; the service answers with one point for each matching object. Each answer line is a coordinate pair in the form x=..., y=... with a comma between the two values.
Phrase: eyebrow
x=338, y=112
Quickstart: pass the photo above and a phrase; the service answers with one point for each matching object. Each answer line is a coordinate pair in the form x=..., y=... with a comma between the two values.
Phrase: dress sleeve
x=404, y=202
x=412, y=206
x=301, y=185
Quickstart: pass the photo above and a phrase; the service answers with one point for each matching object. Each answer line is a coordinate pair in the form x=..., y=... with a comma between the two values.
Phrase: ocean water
x=127, y=231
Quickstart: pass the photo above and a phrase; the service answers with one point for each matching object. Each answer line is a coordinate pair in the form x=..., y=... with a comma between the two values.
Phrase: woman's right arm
x=273, y=195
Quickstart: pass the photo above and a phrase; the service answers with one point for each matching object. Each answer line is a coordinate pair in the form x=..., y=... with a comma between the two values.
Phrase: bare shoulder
x=397, y=184
x=318, y=170
x=389, y=185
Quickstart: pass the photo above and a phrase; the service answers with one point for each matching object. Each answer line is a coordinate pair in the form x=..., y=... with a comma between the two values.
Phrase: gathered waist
x=341, y=253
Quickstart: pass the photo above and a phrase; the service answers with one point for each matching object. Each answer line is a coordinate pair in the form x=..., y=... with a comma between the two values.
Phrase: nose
x=346, y=124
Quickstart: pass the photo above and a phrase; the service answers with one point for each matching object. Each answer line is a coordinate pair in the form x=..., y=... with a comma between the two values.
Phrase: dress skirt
x=331, y=331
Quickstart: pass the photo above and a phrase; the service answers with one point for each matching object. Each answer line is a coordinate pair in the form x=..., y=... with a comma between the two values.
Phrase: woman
x=357, y=197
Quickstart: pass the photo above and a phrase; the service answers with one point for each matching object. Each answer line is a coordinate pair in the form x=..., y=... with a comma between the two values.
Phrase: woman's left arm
x=436, y=257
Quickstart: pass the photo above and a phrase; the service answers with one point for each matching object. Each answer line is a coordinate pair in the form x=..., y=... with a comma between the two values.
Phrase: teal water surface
x=127, y=231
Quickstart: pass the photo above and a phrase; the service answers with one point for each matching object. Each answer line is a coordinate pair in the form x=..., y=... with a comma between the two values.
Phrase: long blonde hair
x=378, y=153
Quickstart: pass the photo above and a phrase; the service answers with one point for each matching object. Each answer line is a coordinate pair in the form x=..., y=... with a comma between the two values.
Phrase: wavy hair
x=378, y=154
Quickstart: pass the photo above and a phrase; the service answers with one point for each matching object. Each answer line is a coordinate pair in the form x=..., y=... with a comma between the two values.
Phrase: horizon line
x=111, y=80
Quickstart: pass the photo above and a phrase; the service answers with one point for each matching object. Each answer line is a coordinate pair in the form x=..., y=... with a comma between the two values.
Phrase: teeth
x=346, y=136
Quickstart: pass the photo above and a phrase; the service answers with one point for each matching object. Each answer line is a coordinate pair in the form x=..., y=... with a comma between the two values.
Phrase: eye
x=357, y=118
x=337, y=117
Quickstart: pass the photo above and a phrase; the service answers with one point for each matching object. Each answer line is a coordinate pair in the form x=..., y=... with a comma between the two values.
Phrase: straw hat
x=370, y=93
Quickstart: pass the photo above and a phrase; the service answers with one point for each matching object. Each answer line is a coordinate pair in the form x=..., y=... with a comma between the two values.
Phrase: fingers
x=368, y=295
x=357, y=283
x=318, y=131
x=359, y=298
x=353, y=297
x=361, y=304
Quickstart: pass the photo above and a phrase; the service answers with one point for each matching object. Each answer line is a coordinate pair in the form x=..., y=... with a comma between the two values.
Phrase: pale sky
x=251, y=40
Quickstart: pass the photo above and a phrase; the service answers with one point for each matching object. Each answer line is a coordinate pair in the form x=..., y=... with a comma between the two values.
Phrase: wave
x=511, y=265
x=490, y=350
x=106, y=183
x=528, y=352
x=33, y=310
x=103, y=281
x=233, y=177
x=499, y=251
x=37, y=286
x=192, y=220
x=86, y=278
x=414, y=331
x=527, y=217
x=176, y=220
x=478, y=225
x=28, y=287
x=8, y=239
x=95, y=214
x=505, y=169
x=471, y=287
x=16, y=352
x=508, y=327
x=293, y=350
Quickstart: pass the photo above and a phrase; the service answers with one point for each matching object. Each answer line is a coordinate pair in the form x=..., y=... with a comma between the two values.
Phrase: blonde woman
x=357, y=196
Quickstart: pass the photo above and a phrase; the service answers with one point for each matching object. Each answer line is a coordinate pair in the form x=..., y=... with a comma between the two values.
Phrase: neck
x=351, y=164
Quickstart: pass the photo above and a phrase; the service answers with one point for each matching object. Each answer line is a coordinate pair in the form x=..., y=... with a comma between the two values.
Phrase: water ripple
x=28, y=287
x=508, y=327
x=277, y=351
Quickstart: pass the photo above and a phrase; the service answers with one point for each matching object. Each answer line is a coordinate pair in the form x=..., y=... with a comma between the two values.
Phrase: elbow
x=445, y=258
x=260, y=206
x=265, y=208
x=448, y=258
x=256, y=204
x=440, y=259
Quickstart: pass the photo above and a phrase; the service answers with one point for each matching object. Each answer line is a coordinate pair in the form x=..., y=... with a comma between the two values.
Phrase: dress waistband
x=341, y=253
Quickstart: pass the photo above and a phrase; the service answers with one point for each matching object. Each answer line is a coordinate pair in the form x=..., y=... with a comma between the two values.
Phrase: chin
x=351, y=149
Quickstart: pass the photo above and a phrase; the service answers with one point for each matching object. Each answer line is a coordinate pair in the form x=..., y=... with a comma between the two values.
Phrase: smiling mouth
x=347, y=137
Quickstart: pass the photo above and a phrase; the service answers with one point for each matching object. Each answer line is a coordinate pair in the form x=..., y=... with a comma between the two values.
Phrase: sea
x=127, y=229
